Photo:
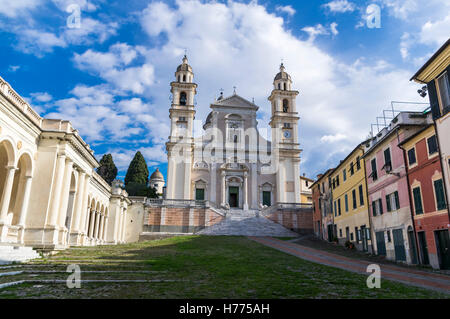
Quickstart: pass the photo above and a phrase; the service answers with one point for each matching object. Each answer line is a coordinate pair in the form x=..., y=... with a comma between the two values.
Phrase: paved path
x=247, y=223
x=412, y=277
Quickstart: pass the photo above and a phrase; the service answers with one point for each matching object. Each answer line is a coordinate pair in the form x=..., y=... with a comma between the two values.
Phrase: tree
x=136, y=178
x=107, y=168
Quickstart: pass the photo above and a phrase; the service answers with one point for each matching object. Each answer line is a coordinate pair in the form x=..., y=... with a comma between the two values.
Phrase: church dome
x=157, y=175
x=184, y=66
x=282, y=75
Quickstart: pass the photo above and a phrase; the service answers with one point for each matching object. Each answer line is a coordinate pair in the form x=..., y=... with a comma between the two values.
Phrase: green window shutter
x=361, y=196
x=417, y=201
x=388, y=203
x=397, y=201
x=346, y=203
x=434, y=103
x=374, y=209
x=381, y=206
x=440, y=197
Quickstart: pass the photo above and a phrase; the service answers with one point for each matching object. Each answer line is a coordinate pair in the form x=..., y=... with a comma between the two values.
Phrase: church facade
x=231, y=165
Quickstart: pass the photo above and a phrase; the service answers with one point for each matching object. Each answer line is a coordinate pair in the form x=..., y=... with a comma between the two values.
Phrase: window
x=235, y=139
x=387, y=160
x=417, y=201
x=377, y=207
x=285, y=86
x=199, y=194
x=444, y=90
x=184, y=78
x=339, y=206
x=440, y=197
x=354, y=198
x=183, y=98
x=432, y=145
x=329, y=182
x=340, y=232
x=356, y=234
x=412, y=156
x=351, y=236
x=182, y=119
x=361, y=196
x=285, y=106
x=388, y=236
x=374, y=169
x=352, y=169
x=344, y=173
x=287, y=125
x=392, y=202
x=279, y=86
x=337, y=181
x=346, y=203
x=358, y=163
x=335, y=210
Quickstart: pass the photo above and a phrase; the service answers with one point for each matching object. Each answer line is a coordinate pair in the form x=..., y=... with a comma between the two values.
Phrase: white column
x=79, y=201
x=6, y=196
x=105, y=230
x=97, y=224
x=26, y=200
x=224, y=201
x=91, y=223
x=124, y=225
x=119, y=229
x=245, y=191
x=65, y=193
x=102, y=221
x=187, y=175
x=59, y=175
x=85, y=209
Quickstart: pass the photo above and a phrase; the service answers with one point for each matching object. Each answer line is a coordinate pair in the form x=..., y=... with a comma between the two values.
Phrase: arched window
x=279, y=86
x=285, y=106
x=184, y=78
x=179, y=78
x=285, y=86
x=183, y=98
x=235, y=139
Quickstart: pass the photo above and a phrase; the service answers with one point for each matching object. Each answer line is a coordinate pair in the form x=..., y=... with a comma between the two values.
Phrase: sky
x=107, y=65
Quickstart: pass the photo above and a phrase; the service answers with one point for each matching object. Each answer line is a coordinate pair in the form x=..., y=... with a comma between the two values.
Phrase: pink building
x=389, y=201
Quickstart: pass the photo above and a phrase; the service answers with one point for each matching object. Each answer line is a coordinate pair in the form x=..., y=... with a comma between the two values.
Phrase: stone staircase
x=10, y=254
x=247, y=223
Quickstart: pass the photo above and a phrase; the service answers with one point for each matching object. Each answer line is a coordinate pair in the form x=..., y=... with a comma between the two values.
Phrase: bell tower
x=181, y=143
x=285, y=146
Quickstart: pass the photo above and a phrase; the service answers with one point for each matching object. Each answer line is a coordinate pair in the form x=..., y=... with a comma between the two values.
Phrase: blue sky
x=110, y=77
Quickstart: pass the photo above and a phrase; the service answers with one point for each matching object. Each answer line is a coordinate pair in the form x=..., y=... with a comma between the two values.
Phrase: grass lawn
x=200, y=267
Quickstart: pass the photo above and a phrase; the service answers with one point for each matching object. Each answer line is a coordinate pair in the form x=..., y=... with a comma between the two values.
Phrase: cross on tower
x=234, y=89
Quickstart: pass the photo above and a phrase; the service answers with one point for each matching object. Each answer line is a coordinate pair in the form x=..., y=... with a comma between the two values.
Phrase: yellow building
x=305, y=190
x=351, y=217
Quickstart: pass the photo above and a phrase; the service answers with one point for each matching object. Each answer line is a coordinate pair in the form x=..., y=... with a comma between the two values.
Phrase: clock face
x=287, y=134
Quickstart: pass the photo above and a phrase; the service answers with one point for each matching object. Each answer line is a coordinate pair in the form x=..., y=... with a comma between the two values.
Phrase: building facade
x=157, y=182
x=388, y=188
x=305, y=190
x=427, y=190
x=231, y=165
x=351, y=217
x=50, y=195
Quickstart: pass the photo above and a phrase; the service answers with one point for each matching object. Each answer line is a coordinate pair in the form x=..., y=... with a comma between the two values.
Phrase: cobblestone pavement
x=247, y=223
x=412, y=277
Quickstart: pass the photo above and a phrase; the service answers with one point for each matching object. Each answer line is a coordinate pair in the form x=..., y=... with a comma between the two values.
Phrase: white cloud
x=14, y=8
x=286, y=9
x=340, y=6
x=333, y=138
x=333, y=28
x=90, y=30
x=157, y=18
x=114, y=67
x=41, y=97
x=85, y=5
x=401, y=9
x=32, y=40
x=13, y=68
x=314, y=31
x=435, y=33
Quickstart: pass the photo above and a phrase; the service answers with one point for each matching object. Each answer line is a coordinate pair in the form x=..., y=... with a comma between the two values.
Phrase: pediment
x=235, y=101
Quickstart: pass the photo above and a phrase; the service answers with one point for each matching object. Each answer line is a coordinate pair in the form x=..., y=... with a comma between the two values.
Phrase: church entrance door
x=233, y=196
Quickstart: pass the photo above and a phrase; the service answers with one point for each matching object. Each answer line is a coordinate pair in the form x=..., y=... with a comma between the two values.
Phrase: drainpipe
x=419, y=259
x=372, y=230
x=442, y=167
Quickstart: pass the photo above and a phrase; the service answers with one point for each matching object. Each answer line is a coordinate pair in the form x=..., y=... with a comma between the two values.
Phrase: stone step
x=9, y=254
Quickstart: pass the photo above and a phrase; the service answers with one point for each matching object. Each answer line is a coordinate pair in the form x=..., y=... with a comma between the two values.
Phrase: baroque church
x=232, y=165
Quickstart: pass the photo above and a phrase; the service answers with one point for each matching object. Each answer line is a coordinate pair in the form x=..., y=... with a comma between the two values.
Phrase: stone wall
x=298, y=220
x=179, y=219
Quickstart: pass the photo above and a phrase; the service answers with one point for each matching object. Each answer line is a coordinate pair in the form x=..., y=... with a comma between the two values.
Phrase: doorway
x=365, y=246
x=381, y=245
x=399, y=245
x=423, y=248
x=233, y=199
x=412, y=245
x=443, y=248
x=330, y=232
